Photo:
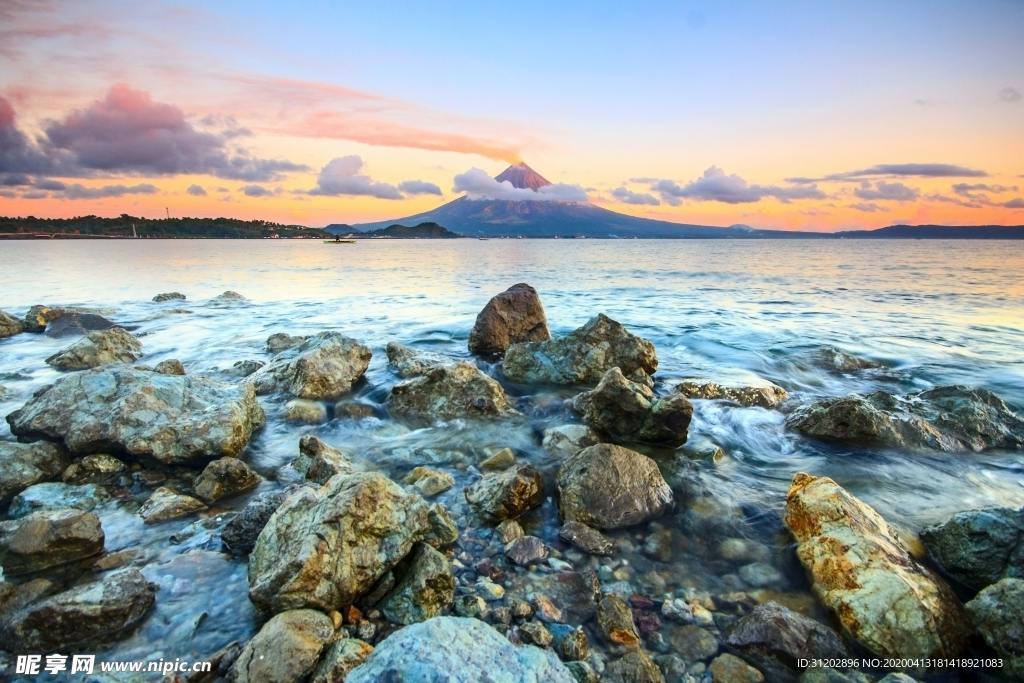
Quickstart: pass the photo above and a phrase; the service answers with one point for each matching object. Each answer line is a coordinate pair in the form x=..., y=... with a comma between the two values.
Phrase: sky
x=789, y=115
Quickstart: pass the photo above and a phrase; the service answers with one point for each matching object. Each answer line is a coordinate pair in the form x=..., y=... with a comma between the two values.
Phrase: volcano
x=523, y=177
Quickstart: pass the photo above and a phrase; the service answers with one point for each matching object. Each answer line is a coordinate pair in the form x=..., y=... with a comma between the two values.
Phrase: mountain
x=431, y=231
x=942, y=232
x=523, y=177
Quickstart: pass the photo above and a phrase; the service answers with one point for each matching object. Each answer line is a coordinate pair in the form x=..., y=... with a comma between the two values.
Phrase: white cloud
x=478, y=184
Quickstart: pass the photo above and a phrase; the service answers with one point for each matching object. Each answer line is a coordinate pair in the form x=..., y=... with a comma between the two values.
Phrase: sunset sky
x=799, y=115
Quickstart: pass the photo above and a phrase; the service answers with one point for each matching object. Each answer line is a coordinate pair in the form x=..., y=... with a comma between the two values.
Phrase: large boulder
x=83, y=617
x=998, y=614
x=883, y=598
x=582, y=356
x=325, y=547
x=102, y=347
x=457, y=650
x=9, y=325
x=764, y=396
x=610, y=487
x=64, y=322
x=285, y=650
x=952, y=418
x=225, y=477
x=506, y=494
x=324, y=366
x=449, y=391
x=515, y=315
x=979, y=547
x=406, y=361
x=25, y=464
x=48, y=538
x=627, y=411
x=318, y=461
x=424, y=591
x=170, y=418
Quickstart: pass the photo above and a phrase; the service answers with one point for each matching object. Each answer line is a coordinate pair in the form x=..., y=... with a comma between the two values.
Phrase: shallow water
x=735, y=311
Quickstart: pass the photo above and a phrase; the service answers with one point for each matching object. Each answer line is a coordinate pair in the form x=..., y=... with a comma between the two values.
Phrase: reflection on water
x=932, y=312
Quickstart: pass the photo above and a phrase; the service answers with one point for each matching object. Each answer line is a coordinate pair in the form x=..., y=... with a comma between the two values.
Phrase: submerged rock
x=280, y=341
x=244, y=368
x=325, y=547
x=103, y=347
x=169, y=296
x=859, y=569
x=624, y=410
x=48, y=538
x=406, y=361
x=172, y=419
x=93, y=469
x=767, y=396
x=171, y=366
x=566, y=440
x=429, y=482
x=240, y=533
x=424, y=591
x=166, y=504
x=229, y=296
x=285, y=650
x=615, y=620
x=727, y=668
x=449, y=391
x=225, y=477
x=501, y=459
x=339, y=659
x=998, y=614
x=457, y=650
x=582, y=356
x=318, y=461
x=304, y=411
x=979, y=547
x=636, y=666
x=64, y=322
x=831, y=358
x=588, y=540
x=506, y=494
x=9, y=325
x=610, y=487
x=526, y=550
x=324, y=366
x=25, y=464
x=952, y=418
x=515, y=315
x=54, y=495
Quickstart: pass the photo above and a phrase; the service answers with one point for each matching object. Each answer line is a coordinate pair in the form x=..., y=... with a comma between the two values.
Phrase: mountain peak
x=523, y=177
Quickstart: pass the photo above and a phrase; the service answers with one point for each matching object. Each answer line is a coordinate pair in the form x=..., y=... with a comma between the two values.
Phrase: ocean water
x=932, y=312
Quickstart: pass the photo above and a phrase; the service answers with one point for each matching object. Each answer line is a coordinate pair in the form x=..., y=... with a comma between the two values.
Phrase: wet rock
x=38, y=317
x=470, y=606
x=429, y=482
x=507, y=494
x=425, y=590
x=831, y=358
x=727, y=668
x=339, y=659
x=615, y=620
x=766, y=396
x=571, y=643
x=623, y=410
x=304, y=411
x=457, y=650
x=285, y=650
x=244, y=368
x=83, y=617
x=166, y=504
x=93, y=469
x=760, y=575
x=172, y=419
x=567, y=440
x=353, y=410
x=998, y=614
x=488, y=590
x=64, y=322
x=241, y=531
x=588, y=540
x=583, y=672
x=56, y=495
x=169, y=296
x=324, y=366
x=952, y=419
x=501, y=459
x=979, y=547
x=509, y=530
x=9, y=325
x=535, y=633
x=693, y=643
x=25, y=464
x=635, y=666
x=229, y=296
x=171, y=366
x=102, y=347
x=325, y=547
x=827, y=675
x=406, y=361
x=280, y=341
x=223, y=478
x=449, y=391
x=318, y=461
x=610, y=487
x=774, y=638
x=515, y=315
x=48, y=538
x=884, y=599
x=526, y=551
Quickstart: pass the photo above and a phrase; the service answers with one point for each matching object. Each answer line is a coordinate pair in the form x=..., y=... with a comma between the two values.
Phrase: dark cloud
x=419, y=187
x=1017, y=203
x=256, y=191
x=478, y=184
x=48, y=184
x=718, y=186
x=78, y=191
x=15, y=179
x=196, y=190
x=18, y=155
x=894, y=170
x=627, y=196
x=341, y=176
x=1010, y=95
x=969, y=189
x=896, y=192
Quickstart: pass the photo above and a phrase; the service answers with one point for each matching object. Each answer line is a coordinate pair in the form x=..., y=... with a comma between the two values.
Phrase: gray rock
x=223, y=478
x=318, y=462
x=48, y=538
x=760, y=575
x=244, y=368
x=55, y=496
x=998, y=614
x=506, y=494
x=425, y=590
x=515, y=315
x=979, y=547
x=102, y=347
x=166, y=504
x=9, y=325
x=172, y=419
x=241, y=531
x=764, y=396
x=831, y=358
x=64, y=322
x=339, y=659
x=566, y=440
x=727, y=668
x=24, y=464
x=693, y=643
x=585, y=538
x=406, y=361
x=324, y=366
x=276, y=343
x=449, y=391
x=285, y=650
x=526, y=550
x=169, y=296
x=93, y=469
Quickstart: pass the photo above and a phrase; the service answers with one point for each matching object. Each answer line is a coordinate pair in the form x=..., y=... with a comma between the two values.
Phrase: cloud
x=341, y=176
x=1017, y=203
x=256, y=191
x=896, y=192
x=48, y=184
x=1010, y=95
x=78, y=191
x=478, y=184
x=196, y=190
x=867, y=207
x=18, y=155
x=627, y=196
x=969, y=189
x=419, y=187
x=920, y=170
x=718, y=186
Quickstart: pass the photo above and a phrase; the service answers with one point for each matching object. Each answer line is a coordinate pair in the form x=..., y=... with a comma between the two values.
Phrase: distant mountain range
x=431, y=231
x=544, y=217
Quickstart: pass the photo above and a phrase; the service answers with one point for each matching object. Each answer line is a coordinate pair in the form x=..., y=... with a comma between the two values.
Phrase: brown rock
x=48, y=538
x=225, y=477
x=515, y=315
x=507, y=494
x=727, y=668
x=615, y=620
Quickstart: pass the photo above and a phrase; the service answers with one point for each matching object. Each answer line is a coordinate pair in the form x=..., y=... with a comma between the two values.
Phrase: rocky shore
x=480, y=561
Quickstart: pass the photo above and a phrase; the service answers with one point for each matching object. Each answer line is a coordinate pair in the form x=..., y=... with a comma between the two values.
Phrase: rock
x=244, y=368
x=449, y=391
x=515, y=315
x=172, y=419
x=83, y=617
x=318, y=462
x=102, y=347
x=276, y=343
x=952, y=419
x=457, y=650
x=38, y=317
x=241, y=531
x=171, y=366
x=501, y=459
x=571, y=643
x=229, y=296
x=998, y=614
x=285, y=650
x=628, y=411
x=760, y=575
x=566, y=440
x=56, y=495
x=48, y=538
x=169, y=296
x=425, y=590
x=506, y=494
x=582, y=356
x=406, y=361
x=25, y=464
x=93, y=469
x=166, y=504
x=615, y=620
x=9, y=325
x=979, y=547
x=535, y=633
x=859, y=569
x=774, y=638
x=489, y=590
x=583, y=672
x=693, y=643
x=727, y=668
x=223, y=478
x=767, y=396
x=429, y=482
x=610, y=487
x=325, y=547
x=64, y=322
x=353, y=410
x=324, y=366
x=635, y=666
x=509, y=530
x=339, y=659
x=588, y=540
x=304, y=411
x=526, y=551
x=831, y=358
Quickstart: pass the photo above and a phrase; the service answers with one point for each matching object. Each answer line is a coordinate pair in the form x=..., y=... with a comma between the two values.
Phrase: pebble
x=535, y=633
x=526, y=551
x=546, y=609
x=509, y=530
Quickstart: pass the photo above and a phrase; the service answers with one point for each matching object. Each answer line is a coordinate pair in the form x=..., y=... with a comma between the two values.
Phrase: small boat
x=339, y=241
